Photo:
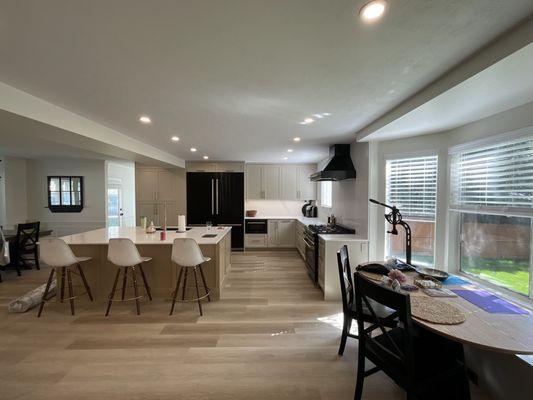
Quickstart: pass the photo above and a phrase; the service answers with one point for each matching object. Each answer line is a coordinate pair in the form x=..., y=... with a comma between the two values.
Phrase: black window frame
x=65, y=208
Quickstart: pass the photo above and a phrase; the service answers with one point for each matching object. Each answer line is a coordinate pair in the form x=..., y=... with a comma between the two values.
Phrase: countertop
x=342, y=238
x=139, y=236
x=304, y=220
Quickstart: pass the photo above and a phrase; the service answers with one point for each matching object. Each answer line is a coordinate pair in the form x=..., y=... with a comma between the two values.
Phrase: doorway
x=114, y=205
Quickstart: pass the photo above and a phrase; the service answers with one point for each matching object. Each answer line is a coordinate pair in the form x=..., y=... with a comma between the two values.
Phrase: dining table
x=501, y=332
x=11, y=234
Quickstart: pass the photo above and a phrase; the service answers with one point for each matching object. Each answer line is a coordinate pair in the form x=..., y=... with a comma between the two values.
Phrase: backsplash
x=275, y=208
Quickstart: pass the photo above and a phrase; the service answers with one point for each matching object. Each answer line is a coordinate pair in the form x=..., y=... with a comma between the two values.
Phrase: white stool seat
x=124, y=253
x=187, y=253
x=55, y=253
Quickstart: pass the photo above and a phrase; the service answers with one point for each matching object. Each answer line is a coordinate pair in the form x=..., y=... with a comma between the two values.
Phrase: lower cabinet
x=299, y=238
x=281, y=232
x=255, y=240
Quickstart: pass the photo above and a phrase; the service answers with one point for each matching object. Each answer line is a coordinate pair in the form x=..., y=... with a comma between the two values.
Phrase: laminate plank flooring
x=271, y=336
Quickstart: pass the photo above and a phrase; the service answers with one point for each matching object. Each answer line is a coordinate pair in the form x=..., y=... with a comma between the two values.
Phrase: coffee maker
x=309, y=210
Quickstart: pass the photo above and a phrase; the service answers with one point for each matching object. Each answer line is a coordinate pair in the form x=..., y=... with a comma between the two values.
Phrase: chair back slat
x=345, y=276
x=27, y=236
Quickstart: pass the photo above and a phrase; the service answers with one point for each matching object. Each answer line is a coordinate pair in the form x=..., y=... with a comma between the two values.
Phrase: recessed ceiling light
x=193, y=149
x=206, y=157
x=289, y=150
x=373, y=10
x=145, y=119
x=296, y=139
x=318, y=115
x=309, y=120
x=175, y=139
x=326, y=114
x=285, y=158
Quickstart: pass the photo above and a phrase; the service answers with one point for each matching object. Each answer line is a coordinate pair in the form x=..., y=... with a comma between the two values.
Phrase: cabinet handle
x=216, y=187
x=212, y=196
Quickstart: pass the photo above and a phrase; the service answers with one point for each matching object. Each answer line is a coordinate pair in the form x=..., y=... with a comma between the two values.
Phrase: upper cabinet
x=226, y=166
x=280, y=182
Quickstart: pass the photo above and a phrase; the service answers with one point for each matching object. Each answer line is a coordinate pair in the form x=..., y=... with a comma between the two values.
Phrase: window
x=492, y=200
x=65, y=193
x=325, y=194
x=411, y=185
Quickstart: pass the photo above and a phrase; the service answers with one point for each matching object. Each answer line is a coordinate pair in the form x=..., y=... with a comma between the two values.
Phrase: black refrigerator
x=217, y=197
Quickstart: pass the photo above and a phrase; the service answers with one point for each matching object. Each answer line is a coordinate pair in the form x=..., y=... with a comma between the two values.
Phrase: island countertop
x=139, y=236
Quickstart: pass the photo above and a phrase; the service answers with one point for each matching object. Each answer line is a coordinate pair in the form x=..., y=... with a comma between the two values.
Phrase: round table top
x=504, y=333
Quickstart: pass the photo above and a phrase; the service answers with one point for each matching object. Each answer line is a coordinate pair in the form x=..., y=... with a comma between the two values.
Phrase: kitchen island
x=161, y=273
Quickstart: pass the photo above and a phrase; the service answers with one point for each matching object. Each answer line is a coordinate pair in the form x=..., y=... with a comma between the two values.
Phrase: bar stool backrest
x=123, y=252
x=186, y=252
x=54, y=252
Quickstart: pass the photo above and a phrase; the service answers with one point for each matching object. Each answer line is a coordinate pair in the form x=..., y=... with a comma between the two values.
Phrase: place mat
x=489, y=302
x=435, y=311
x=455, y=281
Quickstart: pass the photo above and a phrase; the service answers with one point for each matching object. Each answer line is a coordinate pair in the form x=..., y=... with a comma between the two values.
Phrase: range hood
x=338, y=167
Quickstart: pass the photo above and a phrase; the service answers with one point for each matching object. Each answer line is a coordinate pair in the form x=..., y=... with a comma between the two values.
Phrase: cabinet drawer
x=255, y=240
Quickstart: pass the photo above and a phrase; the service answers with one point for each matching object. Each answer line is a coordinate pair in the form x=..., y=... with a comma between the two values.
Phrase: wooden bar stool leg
x=70, y=291
x=46, y=290
x=175, y=294
x=205, y=284
x=136, y=291
x=62, y=285
x=124, y=282
x=184, y=283
x=197, y=292
x=87, y=288
x=148, y=291
x=112, y=294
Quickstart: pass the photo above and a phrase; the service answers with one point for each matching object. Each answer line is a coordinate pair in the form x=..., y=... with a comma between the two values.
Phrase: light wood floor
x=270, y=337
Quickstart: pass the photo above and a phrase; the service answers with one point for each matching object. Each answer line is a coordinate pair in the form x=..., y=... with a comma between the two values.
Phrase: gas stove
x=330, y=229
x=311, y=245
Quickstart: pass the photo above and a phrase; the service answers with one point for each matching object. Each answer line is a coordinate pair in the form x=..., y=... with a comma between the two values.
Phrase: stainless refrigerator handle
x=217, y=193
x=212, y=196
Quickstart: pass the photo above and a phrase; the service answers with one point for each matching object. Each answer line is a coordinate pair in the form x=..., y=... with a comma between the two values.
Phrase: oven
x=256, y=226
x=310, y=241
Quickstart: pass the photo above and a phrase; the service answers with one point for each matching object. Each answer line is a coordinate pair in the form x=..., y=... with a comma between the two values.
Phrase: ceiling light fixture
x=296, y=139
x=318, y=115
x=145, y=119
x=373, y=10
x=175, y=139
x=193, y=149
x=326, y=114
x=289, y=150
x=206, y=157
x=309, y=120
x=285, y=158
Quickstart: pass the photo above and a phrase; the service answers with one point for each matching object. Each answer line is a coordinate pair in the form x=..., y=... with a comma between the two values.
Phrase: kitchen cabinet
x=281, y=233
x=166, y=186
x=199, y=166
x=146, y=184
x=299, y=238
x=255, y=240
x=280, y=182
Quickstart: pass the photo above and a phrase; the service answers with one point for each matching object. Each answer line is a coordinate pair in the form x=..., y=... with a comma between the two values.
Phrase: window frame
x=65, y=208
x=455, y=211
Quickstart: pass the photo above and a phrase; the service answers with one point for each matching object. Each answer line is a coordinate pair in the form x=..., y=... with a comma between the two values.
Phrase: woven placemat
x=436, y=311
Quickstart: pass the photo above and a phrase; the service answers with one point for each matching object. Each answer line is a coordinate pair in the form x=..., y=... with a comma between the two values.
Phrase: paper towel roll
x=182, y=225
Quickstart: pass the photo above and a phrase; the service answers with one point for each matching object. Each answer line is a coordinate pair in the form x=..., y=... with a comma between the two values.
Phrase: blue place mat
x=455, y=280
x=489, y=302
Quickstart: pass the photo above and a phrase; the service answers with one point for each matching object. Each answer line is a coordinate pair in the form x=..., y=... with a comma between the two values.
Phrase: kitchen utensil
x=432, y=273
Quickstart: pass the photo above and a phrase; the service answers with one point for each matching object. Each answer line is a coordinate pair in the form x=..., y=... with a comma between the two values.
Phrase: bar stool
x=57, y=254
x=124, y=254
x=187, y=254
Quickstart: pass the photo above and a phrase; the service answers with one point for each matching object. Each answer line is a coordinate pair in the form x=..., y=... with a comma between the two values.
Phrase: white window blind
x=412, y=186
x=494, y=177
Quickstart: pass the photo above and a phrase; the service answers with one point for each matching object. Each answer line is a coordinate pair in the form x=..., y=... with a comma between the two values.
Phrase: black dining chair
x=348, y=302
x=25, y=246
x=425, y=365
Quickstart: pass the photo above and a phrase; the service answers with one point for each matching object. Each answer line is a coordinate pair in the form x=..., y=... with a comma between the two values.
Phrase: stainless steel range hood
x=338, y=167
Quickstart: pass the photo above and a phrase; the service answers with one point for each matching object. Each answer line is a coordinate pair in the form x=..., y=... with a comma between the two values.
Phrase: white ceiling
x=234, y=78
x=504, y=85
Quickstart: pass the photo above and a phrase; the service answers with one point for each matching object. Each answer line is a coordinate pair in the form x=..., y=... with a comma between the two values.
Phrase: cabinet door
x=166, y=185
x=148, y=210
x=289, y=182
x=169, y=209
x=306, y=188
x=146, y=186
x=194, y=166
x=254, y=181
x=286, y=233
x=271, y=174
x=200, y=197
x=272, y=233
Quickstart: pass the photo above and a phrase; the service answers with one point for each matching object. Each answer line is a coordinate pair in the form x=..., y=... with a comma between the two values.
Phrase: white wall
x=275, y=208
x=14, y=204
x=122, y=173
x=93, y=215
x=350, y=197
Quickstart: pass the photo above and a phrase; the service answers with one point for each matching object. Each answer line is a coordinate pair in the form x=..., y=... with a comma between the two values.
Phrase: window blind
x=497, y=176
x=412, y=186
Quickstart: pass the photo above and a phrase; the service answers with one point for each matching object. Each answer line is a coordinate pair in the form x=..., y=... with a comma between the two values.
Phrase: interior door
x=114, y=205
x=200, y=197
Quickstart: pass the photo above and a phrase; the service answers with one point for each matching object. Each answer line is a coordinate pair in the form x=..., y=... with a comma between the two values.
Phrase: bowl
x=251, y=213
x=432, y=273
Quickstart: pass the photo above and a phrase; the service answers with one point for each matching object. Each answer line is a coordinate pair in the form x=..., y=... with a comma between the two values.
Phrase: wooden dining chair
x=425, y=365
x=348, y=302
x=25, y=246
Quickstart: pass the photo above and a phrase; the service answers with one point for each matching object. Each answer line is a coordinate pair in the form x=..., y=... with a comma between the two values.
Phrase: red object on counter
x=163, y=235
